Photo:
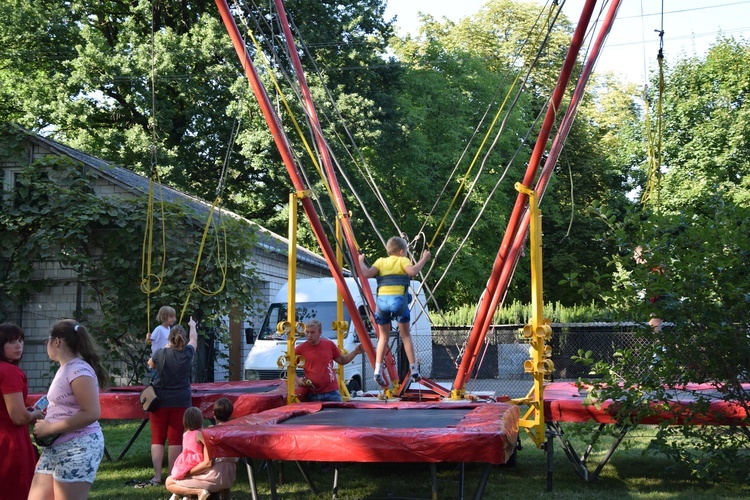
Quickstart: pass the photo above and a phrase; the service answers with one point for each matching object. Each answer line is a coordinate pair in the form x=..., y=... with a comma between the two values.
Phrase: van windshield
x=325, y=312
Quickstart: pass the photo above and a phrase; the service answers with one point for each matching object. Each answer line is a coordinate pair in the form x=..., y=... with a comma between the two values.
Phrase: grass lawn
x=629, y=474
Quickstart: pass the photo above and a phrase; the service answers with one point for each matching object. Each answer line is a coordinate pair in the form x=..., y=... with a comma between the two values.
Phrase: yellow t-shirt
x=387, y=266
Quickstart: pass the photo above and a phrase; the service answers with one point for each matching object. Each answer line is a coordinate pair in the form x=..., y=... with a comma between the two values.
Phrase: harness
x=394, y=280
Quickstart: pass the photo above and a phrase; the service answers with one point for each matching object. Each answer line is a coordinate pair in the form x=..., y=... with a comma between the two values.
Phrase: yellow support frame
x=291, y=328
x=538, y=331
x=340, y=326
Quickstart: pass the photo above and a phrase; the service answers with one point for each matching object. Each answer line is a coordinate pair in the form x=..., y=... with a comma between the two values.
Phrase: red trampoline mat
x=372, y=432
x=122, y=403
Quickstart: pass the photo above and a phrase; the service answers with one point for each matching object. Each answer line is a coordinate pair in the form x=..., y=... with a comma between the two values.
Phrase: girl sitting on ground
x=193, y=449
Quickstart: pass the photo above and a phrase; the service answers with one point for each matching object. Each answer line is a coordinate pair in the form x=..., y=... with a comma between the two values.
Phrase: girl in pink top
x=73, y=441
x=193, y=448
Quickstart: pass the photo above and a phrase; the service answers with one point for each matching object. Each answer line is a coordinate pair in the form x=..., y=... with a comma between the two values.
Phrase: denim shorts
x=74, y=461
x=325, y=396
x=390, y=307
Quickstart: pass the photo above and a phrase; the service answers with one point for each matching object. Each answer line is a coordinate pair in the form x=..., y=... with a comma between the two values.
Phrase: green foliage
x=158, y=85
x=707, y=140
x=54, y=216
x=695, y=279
x=694, y=239
x=519, y=313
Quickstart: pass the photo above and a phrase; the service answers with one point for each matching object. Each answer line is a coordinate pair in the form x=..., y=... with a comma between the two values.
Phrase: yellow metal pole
x=340, y=326
x=538, y=331
x=291, y=316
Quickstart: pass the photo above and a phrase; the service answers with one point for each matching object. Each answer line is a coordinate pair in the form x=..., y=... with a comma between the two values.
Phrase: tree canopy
x=156, y=86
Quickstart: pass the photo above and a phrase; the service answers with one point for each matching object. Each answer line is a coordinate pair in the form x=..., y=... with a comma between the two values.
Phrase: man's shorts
x=390, y=307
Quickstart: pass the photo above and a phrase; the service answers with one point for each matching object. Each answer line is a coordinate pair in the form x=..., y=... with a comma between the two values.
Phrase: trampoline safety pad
x=372, y=432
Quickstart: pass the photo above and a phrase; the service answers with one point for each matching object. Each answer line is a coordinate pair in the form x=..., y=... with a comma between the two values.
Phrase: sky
x=690, y=27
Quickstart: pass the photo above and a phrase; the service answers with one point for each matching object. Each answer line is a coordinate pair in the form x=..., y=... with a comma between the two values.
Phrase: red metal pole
x=338, y=198
x=557, y=145
x=282, y=144
x=510, y=246
x=575, y=100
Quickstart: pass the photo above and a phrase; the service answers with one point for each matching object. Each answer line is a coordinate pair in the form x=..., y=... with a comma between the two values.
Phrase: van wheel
x=354, y=385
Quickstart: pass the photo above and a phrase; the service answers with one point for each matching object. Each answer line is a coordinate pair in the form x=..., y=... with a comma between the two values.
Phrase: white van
x=316, y=298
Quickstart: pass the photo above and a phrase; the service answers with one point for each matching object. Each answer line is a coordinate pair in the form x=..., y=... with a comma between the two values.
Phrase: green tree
x=157, y=86
x=695, y=249
x=694, y=277
x=707, y=141
x=454, y=71
x=437, y=163
x=599, y=164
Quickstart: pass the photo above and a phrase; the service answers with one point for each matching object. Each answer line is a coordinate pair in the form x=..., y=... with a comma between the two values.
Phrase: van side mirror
x=249, y=335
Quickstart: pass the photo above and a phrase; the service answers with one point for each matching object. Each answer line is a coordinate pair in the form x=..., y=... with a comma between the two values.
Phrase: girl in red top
x=18, y=458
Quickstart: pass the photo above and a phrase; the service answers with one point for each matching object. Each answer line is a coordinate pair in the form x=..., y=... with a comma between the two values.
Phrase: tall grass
x=518, y=312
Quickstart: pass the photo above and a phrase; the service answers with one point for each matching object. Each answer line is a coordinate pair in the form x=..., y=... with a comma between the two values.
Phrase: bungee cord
x=147, y=275
x=499, y=112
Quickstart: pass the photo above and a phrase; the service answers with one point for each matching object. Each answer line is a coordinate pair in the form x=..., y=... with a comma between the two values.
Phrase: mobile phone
x=42, y=404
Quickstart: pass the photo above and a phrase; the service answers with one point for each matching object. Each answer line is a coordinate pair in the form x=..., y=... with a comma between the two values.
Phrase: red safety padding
x=398, y=432
x=122, y=403
x=564, y=403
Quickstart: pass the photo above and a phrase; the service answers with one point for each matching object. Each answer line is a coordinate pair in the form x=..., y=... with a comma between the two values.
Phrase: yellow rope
x=221, y=257
x=296, y=124
x=147, y=250
x=652, y=190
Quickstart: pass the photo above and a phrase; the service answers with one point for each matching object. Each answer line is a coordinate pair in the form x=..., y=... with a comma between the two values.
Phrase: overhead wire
x=315, y=128
x=589, y=35
x=351, y=259
x=271, y=75
x=541, y=46
x=652, y=190
x=219, y=231
x=481, y=121
x=363, y=169
x=337, y=164
x=550, y=22
x=313, y=152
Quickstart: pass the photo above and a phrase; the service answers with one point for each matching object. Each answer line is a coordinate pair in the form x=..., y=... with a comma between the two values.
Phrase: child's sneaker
x=379, y=380
x=416, y=377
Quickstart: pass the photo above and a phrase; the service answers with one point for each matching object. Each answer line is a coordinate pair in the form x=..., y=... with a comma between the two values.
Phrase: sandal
x=146, y=484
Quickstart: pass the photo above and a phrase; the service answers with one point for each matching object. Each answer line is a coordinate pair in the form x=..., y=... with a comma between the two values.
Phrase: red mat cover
x=398, y=432
x=122, y=403
x=563, y=403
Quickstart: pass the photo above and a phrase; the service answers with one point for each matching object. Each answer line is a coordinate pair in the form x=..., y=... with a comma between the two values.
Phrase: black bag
x=47, y=440
x=148, y=398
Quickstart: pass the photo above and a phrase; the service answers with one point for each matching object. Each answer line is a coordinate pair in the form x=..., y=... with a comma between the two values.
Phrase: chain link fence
x=500, y=364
